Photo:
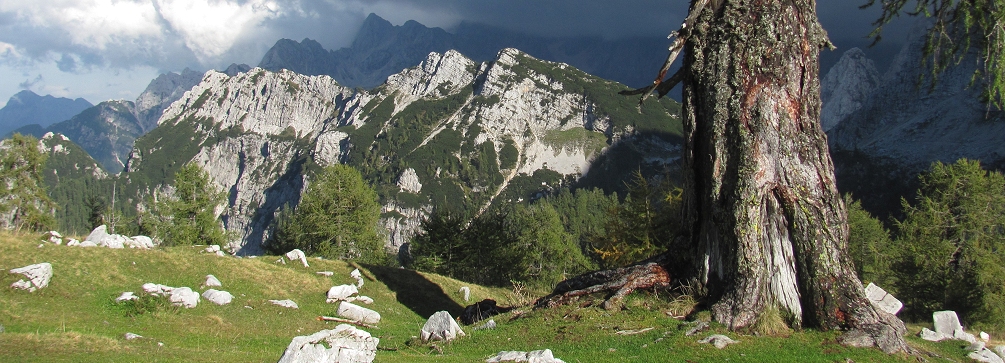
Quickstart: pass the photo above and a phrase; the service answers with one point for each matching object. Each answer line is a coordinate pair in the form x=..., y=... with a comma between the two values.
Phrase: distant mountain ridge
x=381, y=49
x=27, y=108
x=900, y=127
x=448, y=131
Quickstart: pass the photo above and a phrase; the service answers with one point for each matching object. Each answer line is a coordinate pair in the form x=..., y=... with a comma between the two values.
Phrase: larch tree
x=763, y=223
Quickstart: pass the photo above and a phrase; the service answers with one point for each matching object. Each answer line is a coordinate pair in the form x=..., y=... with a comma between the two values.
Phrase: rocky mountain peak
x=437, y=76
x=847, y=86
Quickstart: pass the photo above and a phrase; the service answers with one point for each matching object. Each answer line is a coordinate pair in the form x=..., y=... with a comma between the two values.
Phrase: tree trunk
x=760, y=203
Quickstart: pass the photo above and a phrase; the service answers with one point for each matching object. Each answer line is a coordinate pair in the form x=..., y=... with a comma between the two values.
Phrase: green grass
x=75, y=319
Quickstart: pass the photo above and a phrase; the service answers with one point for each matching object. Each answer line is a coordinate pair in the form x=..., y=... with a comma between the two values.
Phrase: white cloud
x=211, y=28
x=90, y=23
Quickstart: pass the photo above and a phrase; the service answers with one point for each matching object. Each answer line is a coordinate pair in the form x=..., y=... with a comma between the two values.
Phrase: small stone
x=212, y=281
x=285, y=303
x=160, y=344
x=718, y=340
x=126, y=296
x=221, y=254
x=489, y=325
x=985, y=337
x=358, y=276
x=932, y=336
x=131, y=336
x=700, y=327
x=466, y=291
x=212, y=249
x=363, y=299
x=326, y=273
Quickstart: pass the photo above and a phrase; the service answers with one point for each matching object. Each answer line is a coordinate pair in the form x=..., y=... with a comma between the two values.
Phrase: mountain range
x=381, y=49
x=27, y=108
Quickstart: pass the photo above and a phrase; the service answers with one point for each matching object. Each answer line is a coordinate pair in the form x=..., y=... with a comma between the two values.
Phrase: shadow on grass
x=416, y=292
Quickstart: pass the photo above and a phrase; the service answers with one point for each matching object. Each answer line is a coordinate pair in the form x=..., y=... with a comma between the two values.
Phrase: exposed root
x=619, y=282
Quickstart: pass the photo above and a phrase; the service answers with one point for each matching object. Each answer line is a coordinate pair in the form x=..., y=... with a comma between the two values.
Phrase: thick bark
x=761, y=206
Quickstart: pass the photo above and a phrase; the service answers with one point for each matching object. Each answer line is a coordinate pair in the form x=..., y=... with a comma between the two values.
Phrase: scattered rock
x=946, y=322
x=999, y=349
x=718, y=340
x=285, y=303
x=184, y=297
x=882, y=299
x=281, y=260
x=700, y=327
x=976, y=347
x=297, y=254
x=141, y=242
x=537, y=356
x=53, y=237
x=348, y=345
x=341, y=293
x=157, y=289
x=358, y=313
x=73, y=242
x=961, y=334
x=466, y=291
x=212, y=281
x=212, y=249
x=441, y=326
x=480, y=311
x=985, y=337
x=131, y=336
x=87, y=244
x=932, y=336
x=363, y=299
x=489, y=325
x=126, y=296
x=218, y=297
x=38, y=276
x=986, y=355
x=358, y=276
x=326, y=273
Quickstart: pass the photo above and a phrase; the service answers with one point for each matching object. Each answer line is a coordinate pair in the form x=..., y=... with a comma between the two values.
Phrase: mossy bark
x=760, y=205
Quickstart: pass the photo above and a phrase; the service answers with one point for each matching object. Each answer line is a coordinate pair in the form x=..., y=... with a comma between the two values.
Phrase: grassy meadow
x=75, y=319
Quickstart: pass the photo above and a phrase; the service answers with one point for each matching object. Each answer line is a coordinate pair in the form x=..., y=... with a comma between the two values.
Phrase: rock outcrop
x=38, y=276
x=346, y=344
x=447, y=130
x=847, y=86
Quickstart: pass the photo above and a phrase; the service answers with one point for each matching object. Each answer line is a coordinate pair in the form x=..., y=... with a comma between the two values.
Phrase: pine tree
x=188, y=216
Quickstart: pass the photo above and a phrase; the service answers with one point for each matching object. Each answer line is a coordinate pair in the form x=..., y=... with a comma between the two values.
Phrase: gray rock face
x=347, y=345
x=357, y=313
x=160, y=93
x=441, y=326
x=846, y=87
x=883, y=300
x=38, y=276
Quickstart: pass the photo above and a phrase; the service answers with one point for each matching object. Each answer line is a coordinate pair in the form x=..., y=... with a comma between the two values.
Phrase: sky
x=111, y=49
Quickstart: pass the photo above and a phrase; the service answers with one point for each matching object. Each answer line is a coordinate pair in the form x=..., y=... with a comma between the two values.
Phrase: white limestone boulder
x=132, y=336
x=466, y=291
x=986, y=356
x=933, y=336
x=218, y=297
x=212, y=281
x=946, y=322
x=157, y=289
x=140, y=242
x=285, y=303
x=38, y=276
x=537, y=356
x=126, y=296
x=718, y=340
x=358, y=276
x=184, y=297
x=341, y=293
x=358, y=313
x=73, y=242
x=298, y=255
x=346, y=344
x=53, y=237
x=882, y=299
x=441, y=326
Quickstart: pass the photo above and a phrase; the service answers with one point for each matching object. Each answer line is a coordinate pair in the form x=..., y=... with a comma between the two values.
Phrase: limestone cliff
x=448, y=131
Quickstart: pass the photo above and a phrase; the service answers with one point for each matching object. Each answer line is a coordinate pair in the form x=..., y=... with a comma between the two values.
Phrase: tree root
x=619, y=282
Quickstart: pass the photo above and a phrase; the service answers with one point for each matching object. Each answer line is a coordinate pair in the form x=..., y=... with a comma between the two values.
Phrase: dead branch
x=618, y=282
x=347, y=321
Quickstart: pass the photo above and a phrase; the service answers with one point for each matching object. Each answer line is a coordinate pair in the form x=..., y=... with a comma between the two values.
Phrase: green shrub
x=868, y=244
x=337, y=217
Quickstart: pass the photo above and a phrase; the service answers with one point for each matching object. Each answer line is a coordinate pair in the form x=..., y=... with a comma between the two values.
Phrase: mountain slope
x=904, y=126
x=449, y=131
x=27, y=108
x=381, y=49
